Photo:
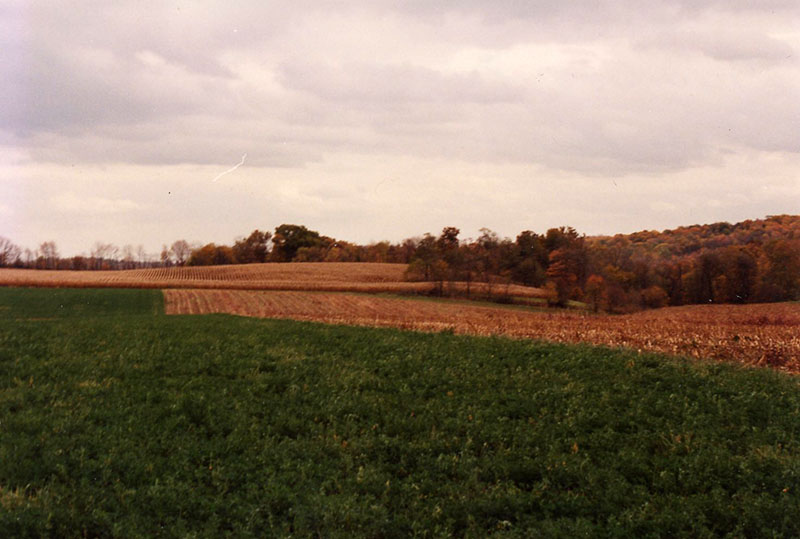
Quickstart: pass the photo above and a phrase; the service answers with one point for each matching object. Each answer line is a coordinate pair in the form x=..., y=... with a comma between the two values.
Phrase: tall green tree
x=425, y=256
x=288, y=239
x=530, y=260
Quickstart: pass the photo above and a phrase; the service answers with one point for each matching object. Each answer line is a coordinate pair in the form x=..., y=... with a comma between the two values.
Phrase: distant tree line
x=102, y=256
x=296, y=243
x=288, y=243
x=752, y=261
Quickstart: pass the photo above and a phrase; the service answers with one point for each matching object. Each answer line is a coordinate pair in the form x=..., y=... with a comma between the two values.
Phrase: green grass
x=216, y=425
x=22, y=303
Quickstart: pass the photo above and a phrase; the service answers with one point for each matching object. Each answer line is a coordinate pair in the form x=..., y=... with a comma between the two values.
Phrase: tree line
x=296, y=243
x=103, y=256
x=288, y=243
x=752, y=261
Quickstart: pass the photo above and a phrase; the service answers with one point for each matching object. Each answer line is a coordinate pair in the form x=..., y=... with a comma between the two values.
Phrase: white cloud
x=90, y=205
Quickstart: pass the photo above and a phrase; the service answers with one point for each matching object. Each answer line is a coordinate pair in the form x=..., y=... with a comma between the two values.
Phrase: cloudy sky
x=387, y=119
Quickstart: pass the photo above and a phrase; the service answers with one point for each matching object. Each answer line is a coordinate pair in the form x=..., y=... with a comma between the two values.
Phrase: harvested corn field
x=296, y=276
x=766, y=335
x=328, y=276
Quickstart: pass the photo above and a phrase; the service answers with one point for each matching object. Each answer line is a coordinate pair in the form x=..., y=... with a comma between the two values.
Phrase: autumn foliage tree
x=252, y=249
x=780, y=279
x=212, y=255
x=9, y=253
x=563, y=276
x=596, y=293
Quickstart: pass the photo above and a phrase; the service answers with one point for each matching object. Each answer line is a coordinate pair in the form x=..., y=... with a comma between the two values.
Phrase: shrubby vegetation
x=752, y=261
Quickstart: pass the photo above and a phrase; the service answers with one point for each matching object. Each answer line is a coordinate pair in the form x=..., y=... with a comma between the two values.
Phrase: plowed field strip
x=753, y=334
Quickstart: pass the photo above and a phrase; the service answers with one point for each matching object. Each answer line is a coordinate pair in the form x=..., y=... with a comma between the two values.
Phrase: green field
x=116, y=420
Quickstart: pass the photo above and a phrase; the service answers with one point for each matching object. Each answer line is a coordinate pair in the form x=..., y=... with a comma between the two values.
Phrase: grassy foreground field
x=115, y=421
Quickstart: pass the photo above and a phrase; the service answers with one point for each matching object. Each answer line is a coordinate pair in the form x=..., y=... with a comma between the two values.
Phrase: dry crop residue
x=368, y=277
x=362, y=277
x=766, y=335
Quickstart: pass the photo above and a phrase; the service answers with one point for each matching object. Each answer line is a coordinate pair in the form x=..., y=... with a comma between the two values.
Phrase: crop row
x=332, y=277
x=353, y=277
x=299, y=272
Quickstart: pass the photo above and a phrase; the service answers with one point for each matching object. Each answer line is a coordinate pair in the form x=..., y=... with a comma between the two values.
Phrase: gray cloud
x=723, y=43
x=593, y=91
x=387, y=85
x=160, y=83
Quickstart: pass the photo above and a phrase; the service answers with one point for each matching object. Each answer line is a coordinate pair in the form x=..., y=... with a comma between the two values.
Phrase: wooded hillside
x=752, y=261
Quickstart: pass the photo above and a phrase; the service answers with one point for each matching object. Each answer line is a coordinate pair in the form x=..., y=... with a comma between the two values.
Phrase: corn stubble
x=763, y=335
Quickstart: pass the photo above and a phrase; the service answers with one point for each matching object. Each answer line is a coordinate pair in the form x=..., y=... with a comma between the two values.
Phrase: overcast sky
x=387, y=119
